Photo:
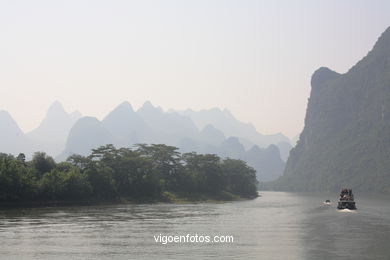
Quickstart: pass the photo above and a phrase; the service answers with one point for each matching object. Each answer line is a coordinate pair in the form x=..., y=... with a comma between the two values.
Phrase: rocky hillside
x=346, y=138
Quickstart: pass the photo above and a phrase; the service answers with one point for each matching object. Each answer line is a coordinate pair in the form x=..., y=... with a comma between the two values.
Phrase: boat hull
x=346, y=205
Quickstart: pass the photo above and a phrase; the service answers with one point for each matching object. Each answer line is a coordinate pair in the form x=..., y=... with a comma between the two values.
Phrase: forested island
x=154, y=172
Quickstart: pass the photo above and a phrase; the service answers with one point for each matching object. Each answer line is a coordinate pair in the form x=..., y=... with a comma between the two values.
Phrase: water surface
x=277, y=225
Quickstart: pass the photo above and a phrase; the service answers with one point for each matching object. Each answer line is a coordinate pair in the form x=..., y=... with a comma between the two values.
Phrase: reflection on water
x=277, y=225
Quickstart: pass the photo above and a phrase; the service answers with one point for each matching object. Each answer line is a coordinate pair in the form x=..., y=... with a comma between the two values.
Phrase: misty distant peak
x=212, y=135
x=56, y=103
x=75, y=115
x=86, y=134
x=224, y=121
x=272, y=148
x=209, y=128
x=12, y=138
x=213, y=109
x=255, y=149
x=218, y=111
x=123, y=111
x=232, y=148
x=212, y=130
x=148, y=107
x=227, y=112
x=8, y=124
x=125, y=105
x=148, y=104
x=4, y=113
x=50, y=136
x=87, y=121
x=56, y=108
x=233, y=140
x=55, y=116
x=125, y=125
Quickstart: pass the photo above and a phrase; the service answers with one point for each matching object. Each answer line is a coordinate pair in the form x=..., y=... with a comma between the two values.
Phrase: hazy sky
x=253, y=57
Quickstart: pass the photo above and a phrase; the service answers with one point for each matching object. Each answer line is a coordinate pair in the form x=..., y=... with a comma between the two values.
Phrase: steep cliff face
x=346, y=138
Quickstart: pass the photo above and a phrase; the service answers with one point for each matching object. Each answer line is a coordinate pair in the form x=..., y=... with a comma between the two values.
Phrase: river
x=277, y=225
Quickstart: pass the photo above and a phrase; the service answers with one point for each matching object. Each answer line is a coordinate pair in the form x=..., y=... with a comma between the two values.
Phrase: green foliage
x=206, y=172
x=240, y=178
x=17, y=182
x=42, y=163
x=147, y=172
x=64, y=185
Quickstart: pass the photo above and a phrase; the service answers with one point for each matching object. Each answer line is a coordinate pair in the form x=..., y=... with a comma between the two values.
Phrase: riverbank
x=166, y=197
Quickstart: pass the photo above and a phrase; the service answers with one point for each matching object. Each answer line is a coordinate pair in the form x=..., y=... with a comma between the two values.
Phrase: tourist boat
x=346, y=200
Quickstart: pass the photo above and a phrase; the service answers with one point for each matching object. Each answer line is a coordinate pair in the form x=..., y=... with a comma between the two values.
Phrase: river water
x=277, y=225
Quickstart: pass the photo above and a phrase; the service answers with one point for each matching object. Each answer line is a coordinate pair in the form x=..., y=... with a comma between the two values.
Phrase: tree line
x=108, y=173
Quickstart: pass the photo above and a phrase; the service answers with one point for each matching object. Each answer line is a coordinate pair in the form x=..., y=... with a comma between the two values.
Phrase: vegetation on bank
x=146, y=173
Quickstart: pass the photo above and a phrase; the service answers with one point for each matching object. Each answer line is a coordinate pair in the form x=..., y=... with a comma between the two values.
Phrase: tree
x=109, y=173
x=165, y=160
x=239, y=177
x=206, y=171
x=21, y=158
x=42, y=163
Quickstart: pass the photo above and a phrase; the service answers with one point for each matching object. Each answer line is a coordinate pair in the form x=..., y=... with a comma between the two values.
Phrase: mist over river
x=277, y=225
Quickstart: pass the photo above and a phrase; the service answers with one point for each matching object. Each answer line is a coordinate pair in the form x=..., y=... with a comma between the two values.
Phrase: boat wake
x=347, y=210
